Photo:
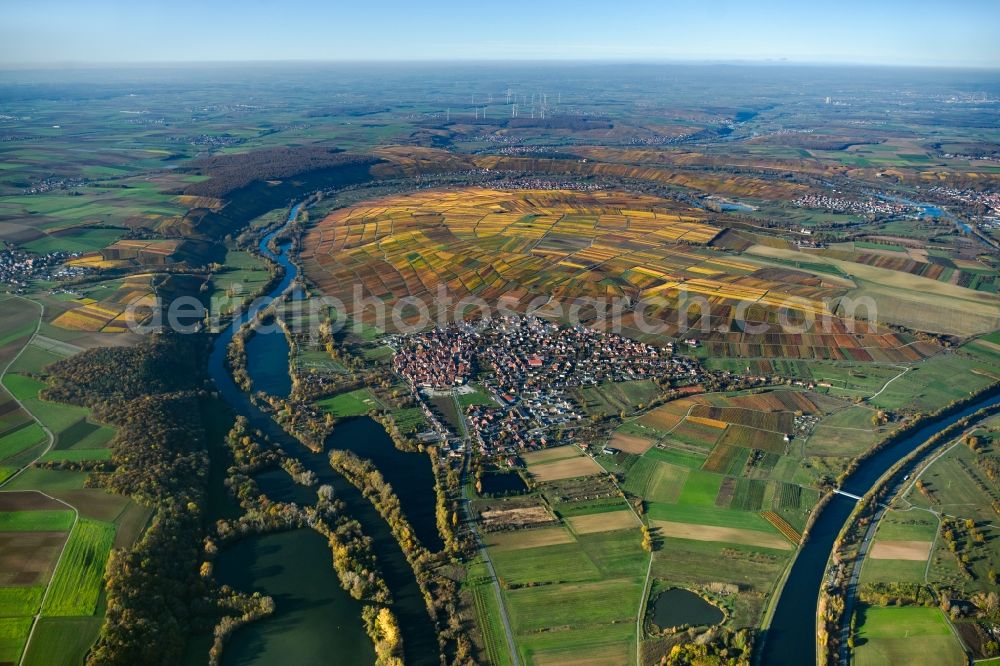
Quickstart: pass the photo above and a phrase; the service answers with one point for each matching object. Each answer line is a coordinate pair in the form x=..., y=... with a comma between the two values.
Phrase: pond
x=503, y=483
x=676, y=607
x=317, y=617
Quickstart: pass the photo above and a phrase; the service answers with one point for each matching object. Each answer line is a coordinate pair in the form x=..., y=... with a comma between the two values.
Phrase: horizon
x=852, y=32
x=728, y=62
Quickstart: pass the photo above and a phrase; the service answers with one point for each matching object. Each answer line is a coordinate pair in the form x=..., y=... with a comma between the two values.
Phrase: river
x=316, y=622
x=791, y=638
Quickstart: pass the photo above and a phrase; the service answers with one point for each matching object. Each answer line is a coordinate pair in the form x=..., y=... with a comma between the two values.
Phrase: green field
x=20, y=601
x=244, y=275
x=62, y=640
x=52, y=520
x=936, y=382
x=477, y=397
x=353, y=403
x=700, y=489
x=900, y=526
x=23, y=438
x=77, y=240
x=13, y=635
x=488, y=614
x=35, y=478
x=909, y=635
x=958, y=484
x=409, y=420
x=77, y=455
x=612, y=398
x=56, y=416
x=572, y=598
x=78, y=580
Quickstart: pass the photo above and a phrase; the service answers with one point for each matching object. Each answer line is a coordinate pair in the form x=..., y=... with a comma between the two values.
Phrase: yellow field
x=916, y=551
x=515, y=246
x=548, y=455
x=530, y=538
x=603, y=522
x=565, y=469
x=722, y=534
x=112, y=314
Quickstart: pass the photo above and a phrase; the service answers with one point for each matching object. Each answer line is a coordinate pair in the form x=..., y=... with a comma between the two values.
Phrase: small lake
x=501, y=483
x=278, y=485
x=316, y=617
x=677, y=607
x=409, y=474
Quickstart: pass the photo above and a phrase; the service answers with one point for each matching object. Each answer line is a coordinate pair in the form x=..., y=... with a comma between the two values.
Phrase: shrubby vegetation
x=441, y=593
x=722, y=648
x=381, y=625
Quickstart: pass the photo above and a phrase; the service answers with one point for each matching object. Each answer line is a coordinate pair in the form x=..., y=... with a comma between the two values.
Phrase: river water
x=316, y=622
x=791, y=638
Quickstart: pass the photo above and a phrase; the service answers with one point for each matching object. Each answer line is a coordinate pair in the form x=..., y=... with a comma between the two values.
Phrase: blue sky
x=920, y=32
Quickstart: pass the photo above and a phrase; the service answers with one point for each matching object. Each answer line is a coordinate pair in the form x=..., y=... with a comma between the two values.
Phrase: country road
x=51, y=442
x=471, y=522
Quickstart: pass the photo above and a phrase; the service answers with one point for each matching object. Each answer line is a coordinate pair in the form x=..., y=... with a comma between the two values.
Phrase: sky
x=890, y=32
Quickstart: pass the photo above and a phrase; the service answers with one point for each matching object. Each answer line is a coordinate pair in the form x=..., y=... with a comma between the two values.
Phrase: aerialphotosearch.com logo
x=682, y=313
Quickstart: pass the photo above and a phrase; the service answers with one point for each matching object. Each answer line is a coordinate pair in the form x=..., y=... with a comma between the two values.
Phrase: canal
x=791, y=638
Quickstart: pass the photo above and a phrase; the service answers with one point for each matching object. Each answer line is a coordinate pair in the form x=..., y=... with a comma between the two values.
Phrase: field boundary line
x=640, y=614
x=48, y=586
x=45, y=429
x=495, y=583
x=51, y=443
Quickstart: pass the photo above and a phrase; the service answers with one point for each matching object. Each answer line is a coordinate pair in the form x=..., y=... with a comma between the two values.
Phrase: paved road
x=466, y=509
x=470, y=520
x=850, y=593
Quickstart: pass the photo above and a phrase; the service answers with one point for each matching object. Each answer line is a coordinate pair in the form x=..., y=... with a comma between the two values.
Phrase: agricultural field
x=77, y=583
x=562, y=462
x=514, y=246
x=241, y=275
x=901, y=548
x=118, y=305
x=792, y=436
x=962, y=484
x=565, y=596
x=909, y=635
x=62, y=640
x=33, y=532
x=352, y=403
x=18, y=432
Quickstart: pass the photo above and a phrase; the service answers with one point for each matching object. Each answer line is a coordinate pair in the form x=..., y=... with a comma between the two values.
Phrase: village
x=872, y=206
x=18, y=268
x=529, y=367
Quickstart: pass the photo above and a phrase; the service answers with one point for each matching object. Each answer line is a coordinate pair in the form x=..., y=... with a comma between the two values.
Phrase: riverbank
x=419, y=636
x=791, y=636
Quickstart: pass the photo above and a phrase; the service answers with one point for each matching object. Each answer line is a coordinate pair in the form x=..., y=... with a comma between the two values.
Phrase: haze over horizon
x=916, y=33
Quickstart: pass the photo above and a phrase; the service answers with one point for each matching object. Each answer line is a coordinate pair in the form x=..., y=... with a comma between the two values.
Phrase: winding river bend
x=290, y=565
x=791, y=638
